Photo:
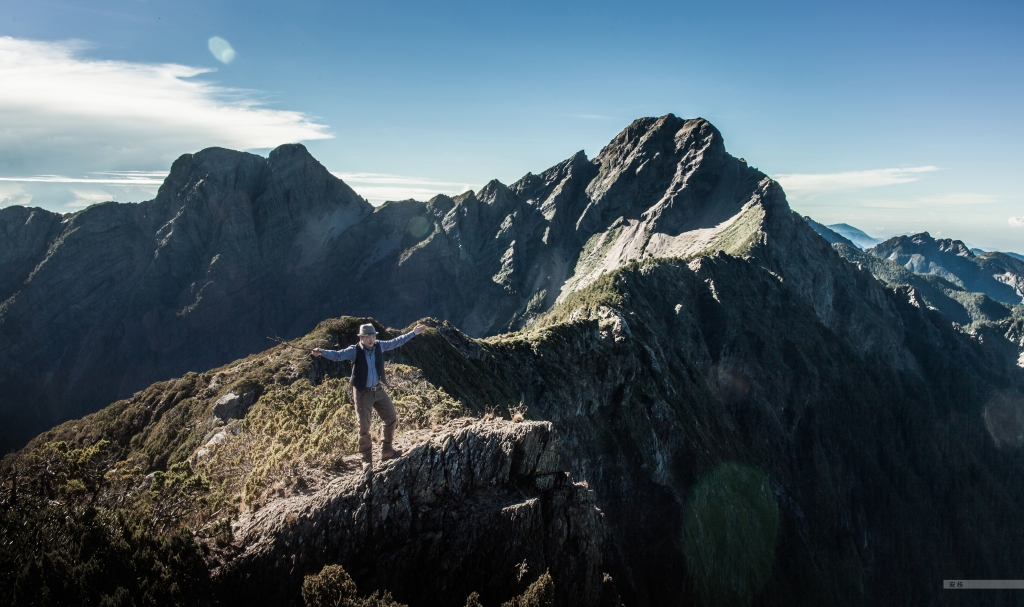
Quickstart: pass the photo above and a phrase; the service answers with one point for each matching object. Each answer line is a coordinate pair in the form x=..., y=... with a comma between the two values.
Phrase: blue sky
x=894, y=117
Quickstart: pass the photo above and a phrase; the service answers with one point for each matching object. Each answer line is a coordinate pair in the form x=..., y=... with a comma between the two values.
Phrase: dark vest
x=358, y=379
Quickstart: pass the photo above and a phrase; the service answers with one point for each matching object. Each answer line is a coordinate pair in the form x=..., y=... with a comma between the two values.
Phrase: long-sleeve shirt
x=349, y=354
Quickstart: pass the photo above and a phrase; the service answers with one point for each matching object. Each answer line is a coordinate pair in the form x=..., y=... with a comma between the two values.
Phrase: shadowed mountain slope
x=734, y=444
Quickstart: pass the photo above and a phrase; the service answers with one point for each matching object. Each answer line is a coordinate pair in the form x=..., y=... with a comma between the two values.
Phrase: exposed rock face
x=997, y=275
x=462, y=512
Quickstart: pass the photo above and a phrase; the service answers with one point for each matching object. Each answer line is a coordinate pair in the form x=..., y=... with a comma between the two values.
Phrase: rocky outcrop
x=233, y=406
x=478, y=506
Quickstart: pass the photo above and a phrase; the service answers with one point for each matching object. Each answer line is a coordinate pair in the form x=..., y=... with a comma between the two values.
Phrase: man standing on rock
x=368, y=386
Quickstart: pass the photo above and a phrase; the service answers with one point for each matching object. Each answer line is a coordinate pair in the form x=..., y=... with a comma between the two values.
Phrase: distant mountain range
x=858, y=237
x=829, y=234
x=999, y=276
x=701, y=400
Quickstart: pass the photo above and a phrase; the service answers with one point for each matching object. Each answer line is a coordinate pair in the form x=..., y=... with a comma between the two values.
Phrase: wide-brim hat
x=367, y=330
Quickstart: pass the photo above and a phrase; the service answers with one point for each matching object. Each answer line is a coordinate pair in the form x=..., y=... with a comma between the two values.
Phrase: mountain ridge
x=757, y=418
x=236, y=248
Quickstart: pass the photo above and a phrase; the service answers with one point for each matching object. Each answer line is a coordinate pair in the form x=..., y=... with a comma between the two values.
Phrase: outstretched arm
x=348, y=353
x=391, y=344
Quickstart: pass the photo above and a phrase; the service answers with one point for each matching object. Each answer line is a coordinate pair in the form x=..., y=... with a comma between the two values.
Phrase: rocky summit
x=646, y=382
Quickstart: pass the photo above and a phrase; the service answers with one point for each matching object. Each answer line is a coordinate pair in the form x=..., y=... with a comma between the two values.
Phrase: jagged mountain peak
x=925, y=240
x=944, y=245
x=220, y=165
x=536, y=187
x=495, y=194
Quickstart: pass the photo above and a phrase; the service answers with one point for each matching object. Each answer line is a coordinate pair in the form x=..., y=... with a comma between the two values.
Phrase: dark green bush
x=53, y=553
x=333, y=587
x=541, y=593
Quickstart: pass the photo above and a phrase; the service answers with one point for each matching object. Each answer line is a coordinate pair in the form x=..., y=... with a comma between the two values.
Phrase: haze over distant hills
x=829, y=234
x=858, y=237
x=998, y=275
x=706, y=401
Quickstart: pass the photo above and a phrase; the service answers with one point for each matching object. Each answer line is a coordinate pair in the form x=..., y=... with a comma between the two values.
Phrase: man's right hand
x=316, y=351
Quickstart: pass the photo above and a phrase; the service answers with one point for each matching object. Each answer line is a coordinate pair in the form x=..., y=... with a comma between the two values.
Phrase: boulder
x=233, y=406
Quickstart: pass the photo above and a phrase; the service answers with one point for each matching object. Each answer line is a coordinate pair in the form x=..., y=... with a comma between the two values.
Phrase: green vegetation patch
x=59, y=545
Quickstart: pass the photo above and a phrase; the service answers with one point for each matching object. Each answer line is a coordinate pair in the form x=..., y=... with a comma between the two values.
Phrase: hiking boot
x=389, y=452
x=367, y=457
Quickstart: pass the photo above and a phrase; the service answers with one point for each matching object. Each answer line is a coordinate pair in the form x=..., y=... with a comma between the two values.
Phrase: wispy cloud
x=381, y=187
x=1017, y=222
x=62, y=112
x=105, y=177
x=808, y=185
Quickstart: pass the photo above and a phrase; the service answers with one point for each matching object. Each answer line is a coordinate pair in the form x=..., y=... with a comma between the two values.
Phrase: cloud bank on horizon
x=808, y=185
x=61, y=108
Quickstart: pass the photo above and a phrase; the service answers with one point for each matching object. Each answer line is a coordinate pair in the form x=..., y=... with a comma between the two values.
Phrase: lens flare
x=418, y=227
x=1004, y=418
x=729, y=535
x=221, y=50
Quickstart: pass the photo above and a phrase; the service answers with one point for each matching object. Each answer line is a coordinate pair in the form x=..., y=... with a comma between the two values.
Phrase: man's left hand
x=419, y=329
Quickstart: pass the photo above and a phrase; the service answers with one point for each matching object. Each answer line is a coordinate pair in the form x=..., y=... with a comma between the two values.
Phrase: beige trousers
x=365, y=402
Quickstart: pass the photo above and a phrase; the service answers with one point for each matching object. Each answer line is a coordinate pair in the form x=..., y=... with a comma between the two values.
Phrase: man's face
x=368, y=340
